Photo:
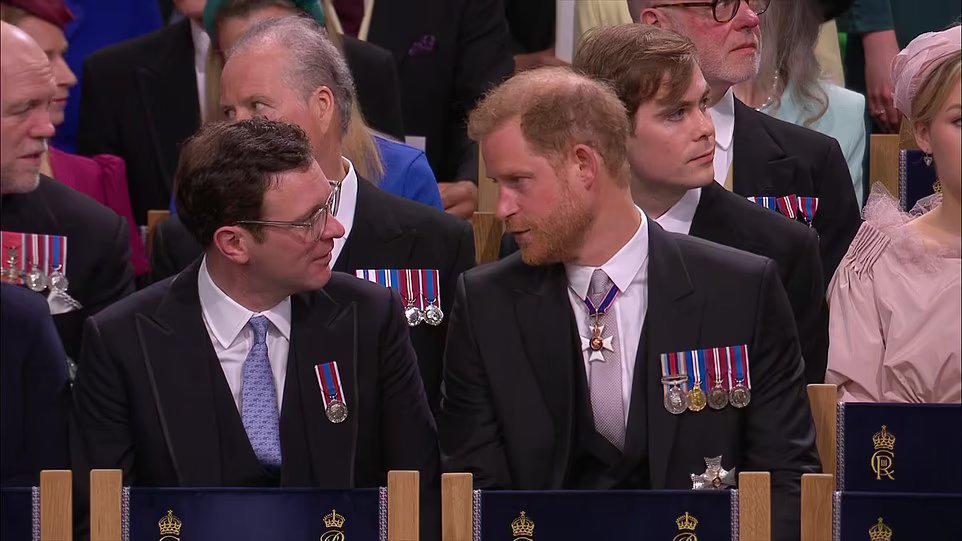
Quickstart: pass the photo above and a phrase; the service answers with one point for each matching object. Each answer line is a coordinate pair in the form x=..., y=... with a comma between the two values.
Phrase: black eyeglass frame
x=714, y=7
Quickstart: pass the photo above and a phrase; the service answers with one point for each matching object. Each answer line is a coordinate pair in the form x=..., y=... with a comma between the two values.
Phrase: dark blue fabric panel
x=16, y=513
x=928, y=447
x=909, y=516
x=918, y=178
x=610, y=515
x=255, y=514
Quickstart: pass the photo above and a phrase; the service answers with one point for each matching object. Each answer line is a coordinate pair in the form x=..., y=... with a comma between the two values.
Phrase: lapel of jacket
x=673, y=323
x=712, y=220
x=177, y=351
x=377, y=240
x=324, y=331
x=169, y=91
x=548, y=336
x=761, y=166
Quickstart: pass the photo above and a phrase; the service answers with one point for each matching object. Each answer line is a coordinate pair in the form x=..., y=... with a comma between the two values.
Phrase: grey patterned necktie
x=259, y=399
x=604, y=374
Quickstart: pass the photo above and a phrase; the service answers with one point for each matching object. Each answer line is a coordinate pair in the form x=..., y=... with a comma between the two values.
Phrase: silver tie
x=604, y=375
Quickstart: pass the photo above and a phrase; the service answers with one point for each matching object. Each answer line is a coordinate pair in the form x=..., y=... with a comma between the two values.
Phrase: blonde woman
x=896, y=298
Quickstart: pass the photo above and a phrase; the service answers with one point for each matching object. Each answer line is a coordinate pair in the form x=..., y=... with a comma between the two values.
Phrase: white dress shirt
x=628, y=269
x=723, y=116
x=232, y=337
x=201, y=47
x=679, y=217
x=346, y=207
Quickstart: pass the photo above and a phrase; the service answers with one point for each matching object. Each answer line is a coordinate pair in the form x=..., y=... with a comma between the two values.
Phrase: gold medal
x=696, y=399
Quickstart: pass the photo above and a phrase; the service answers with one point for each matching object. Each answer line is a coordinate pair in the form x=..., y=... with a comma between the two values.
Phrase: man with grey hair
x=287, y=69
x=755, y=154
x=32, y=204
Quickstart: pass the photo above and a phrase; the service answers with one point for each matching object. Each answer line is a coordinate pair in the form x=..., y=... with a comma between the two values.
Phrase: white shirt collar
x=621, y=268
x=226, y=319
x=346, y=208
x=723, y=116
x=679, y=217
x=201, y=46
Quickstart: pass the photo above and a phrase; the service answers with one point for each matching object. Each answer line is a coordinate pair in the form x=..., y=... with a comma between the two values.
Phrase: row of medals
x=677, y=400
x=432, y=315
x=36, y=279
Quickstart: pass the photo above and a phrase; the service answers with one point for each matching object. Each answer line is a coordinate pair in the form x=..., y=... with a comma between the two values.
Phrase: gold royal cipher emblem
x=883, y=459
x=686, y=528
x=880, y=532
x=522, y=528
x=169, y=526
x=335, y=527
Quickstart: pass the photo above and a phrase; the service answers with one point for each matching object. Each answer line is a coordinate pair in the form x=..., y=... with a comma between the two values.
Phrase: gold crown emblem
x=880, y=532
x=522, y=526
x=884, y=439
x=333, y=520
x=686, y=522
x=169, y=524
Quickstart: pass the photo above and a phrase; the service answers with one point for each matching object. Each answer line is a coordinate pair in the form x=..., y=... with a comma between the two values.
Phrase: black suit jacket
x=388, y=232
x=732, y=220
x=34, y=391
x=448, y=53
x=140, y=103
x=775, y=158
x=98, y=263
x=532, y=24
x=144, y=395
x=507, y=409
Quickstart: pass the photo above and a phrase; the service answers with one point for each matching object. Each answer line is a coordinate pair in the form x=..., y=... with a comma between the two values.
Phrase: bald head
x=557, y=109
x=26, y=88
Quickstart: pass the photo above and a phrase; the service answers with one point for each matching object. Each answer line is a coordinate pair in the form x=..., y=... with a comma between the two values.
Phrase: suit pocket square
x=425, y=45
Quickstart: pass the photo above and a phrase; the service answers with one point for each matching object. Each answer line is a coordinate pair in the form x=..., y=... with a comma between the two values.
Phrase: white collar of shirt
x=346, y=208
x=621, y=268
x=679, y=217
x=723, y=116
x=201, y=47
x=226, y=319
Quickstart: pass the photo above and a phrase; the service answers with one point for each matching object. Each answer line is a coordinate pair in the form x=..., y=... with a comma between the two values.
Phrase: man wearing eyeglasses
x=256, y=366
x=755, y=154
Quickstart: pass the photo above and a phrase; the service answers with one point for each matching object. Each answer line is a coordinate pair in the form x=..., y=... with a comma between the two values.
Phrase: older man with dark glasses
x=757, y=155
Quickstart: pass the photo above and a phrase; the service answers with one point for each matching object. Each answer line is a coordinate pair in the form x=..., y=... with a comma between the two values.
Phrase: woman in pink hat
x=896, y=299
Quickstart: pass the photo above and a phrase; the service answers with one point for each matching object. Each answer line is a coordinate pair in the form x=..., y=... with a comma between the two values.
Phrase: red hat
x=54, y=12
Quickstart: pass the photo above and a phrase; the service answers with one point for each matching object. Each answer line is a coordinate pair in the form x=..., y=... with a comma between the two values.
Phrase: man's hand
x=460, y=198
x=536, y=60
x=880, y=50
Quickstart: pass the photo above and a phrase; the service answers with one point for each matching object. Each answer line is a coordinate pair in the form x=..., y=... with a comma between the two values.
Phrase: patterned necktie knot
x=259, y=325
x=599, y=285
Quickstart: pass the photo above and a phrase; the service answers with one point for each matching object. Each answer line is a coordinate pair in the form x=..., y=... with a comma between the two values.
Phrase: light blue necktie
x=259, y=399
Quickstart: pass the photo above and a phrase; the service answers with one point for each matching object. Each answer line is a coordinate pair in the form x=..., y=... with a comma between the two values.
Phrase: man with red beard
x=602, y=355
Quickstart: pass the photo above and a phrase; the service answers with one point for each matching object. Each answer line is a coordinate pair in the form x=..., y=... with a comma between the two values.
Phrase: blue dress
x=407, y=173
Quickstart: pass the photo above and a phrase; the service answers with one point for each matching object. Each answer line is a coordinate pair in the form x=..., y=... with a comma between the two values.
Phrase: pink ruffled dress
x=895, y=307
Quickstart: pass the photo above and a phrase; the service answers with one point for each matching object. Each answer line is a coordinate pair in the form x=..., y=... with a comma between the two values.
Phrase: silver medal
x=740, y=396
x=57, y=280
x=676, y=399
x=433, y=314
x=35, y=280
x=336, y=411
x=414, y=315
x=718, y=398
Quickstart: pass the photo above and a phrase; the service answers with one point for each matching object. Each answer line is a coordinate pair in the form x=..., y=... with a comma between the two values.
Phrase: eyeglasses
x=314, y=225
x=723, y=10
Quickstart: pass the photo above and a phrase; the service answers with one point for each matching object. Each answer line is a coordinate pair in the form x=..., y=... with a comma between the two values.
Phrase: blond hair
x=935, y=89
x=558, y=109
